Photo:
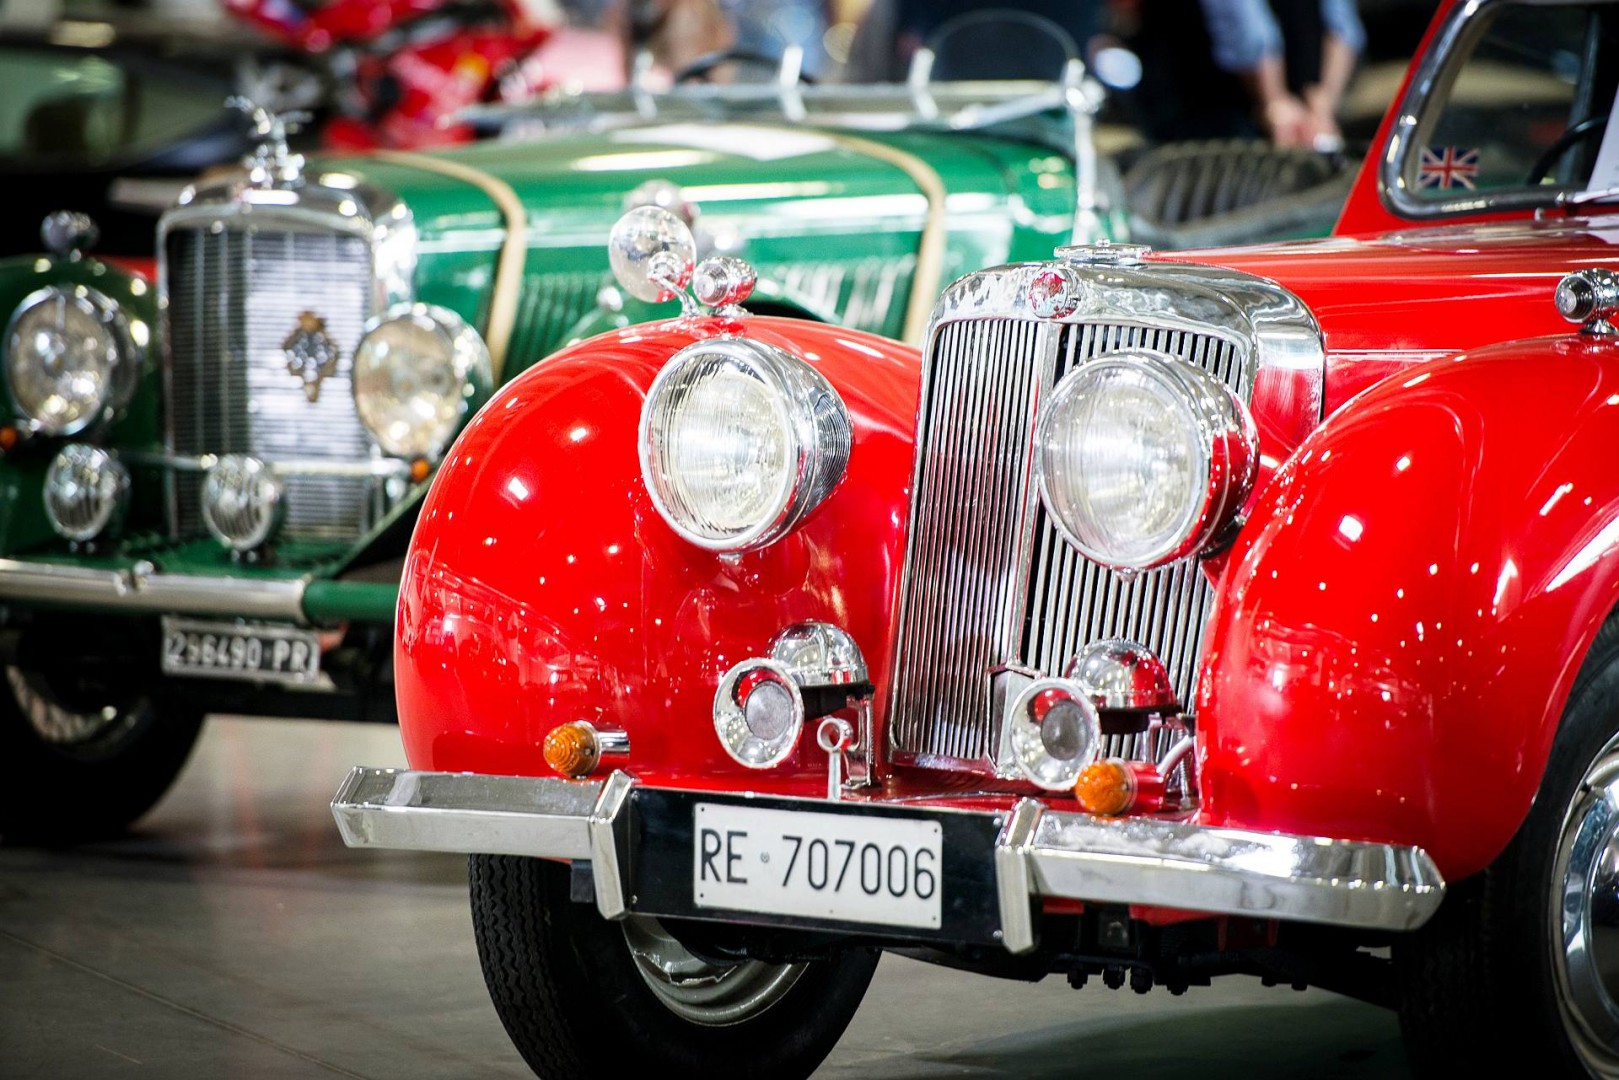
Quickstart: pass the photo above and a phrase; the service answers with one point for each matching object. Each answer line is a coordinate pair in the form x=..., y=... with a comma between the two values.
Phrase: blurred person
x=767, y=27
x=893, y=30
x=668, y=35
x=1247, y=68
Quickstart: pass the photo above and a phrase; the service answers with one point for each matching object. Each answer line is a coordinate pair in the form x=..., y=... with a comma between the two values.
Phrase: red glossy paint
x=1387, y=303
x=1400, y=622
x=542, y=585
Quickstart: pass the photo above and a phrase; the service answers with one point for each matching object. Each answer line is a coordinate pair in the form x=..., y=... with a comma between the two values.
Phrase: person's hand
x=1322, y=121
x=1287, y=121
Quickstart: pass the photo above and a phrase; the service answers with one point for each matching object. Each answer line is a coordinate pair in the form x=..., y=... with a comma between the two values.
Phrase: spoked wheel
x=584, y=997
x=79, y=760
x=1520, y=967
x=713, y=995
x=1584, y=910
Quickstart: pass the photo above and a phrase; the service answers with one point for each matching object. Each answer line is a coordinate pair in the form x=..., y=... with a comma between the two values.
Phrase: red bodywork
x=1398, y=623
x=542, y=586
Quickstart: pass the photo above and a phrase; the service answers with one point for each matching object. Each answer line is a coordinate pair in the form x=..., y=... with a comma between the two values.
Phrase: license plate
x=844, y=867
x=237, y=651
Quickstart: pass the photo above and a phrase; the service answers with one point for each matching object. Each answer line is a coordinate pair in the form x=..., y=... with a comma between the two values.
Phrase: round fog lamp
x=758, y=713
x=86, y=492
x=739, y=441
x=242, y=502
x=1055, y=733
x=1142, y=459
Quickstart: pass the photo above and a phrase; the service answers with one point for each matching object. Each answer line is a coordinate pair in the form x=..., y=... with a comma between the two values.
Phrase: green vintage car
x=208, y=478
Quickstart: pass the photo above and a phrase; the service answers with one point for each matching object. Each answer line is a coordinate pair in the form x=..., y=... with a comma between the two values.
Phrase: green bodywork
x=832, y=230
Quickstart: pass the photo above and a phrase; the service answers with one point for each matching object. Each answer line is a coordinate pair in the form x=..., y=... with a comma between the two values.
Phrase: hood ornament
x=272, y=162
x=311, y=353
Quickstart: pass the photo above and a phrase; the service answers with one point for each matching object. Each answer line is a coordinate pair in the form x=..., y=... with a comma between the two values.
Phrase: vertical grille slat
x=990, y=581
x=234, y=297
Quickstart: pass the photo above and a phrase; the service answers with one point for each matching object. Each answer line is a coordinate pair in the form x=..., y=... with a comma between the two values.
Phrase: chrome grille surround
x=991, y=596
x=237, y=264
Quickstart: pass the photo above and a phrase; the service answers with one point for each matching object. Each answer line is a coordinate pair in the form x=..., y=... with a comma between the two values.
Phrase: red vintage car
x=1242, y=612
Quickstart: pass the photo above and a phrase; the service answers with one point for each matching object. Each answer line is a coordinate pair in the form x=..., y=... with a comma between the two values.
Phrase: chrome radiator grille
x=990, y=583
x=234, y=296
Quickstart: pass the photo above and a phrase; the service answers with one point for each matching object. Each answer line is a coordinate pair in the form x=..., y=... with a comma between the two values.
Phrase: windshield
x=1520, y=108
x=63, y=108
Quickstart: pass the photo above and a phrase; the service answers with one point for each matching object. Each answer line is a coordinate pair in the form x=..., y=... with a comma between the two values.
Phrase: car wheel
x=583, y=997
x=1531, y=946
x=77, y=763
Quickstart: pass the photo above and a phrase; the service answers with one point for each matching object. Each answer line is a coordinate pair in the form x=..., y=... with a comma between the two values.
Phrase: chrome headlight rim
x=803, y=400
x=1226, y=437
x=1026, y=733
x=745, y=746
x=123, y=372
x=470, y=364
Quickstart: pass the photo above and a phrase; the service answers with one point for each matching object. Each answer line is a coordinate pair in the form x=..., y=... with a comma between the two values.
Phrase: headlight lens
x=739, y=441
x=417, y=371
x=69, y=359
x=1143, y=459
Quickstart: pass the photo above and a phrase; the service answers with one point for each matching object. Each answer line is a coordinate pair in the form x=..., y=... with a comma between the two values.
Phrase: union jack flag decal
x=1448, y=167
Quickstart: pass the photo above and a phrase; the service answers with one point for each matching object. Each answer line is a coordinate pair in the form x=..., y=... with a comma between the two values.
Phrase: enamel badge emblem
x=311, y=353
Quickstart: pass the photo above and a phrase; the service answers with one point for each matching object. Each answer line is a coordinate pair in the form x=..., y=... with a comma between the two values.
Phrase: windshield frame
x=1439, y=64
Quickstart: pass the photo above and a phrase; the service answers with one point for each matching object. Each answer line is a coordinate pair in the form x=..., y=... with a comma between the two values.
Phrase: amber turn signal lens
x=419, y=470
x=1106, y=788
x=8, y=437
x=572, y=749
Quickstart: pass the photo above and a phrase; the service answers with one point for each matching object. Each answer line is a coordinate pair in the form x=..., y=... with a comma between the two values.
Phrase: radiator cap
x=1104, y=253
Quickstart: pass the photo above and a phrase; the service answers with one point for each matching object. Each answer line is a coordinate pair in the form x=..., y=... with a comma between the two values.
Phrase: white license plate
x=844, y=867
x=235, y=651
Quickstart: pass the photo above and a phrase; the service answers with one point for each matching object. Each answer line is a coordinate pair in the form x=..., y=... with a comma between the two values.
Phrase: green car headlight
x=70, y=359
x=417, y=371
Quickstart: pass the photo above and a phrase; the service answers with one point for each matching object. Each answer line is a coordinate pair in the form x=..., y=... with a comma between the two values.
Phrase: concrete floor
x=232, y=935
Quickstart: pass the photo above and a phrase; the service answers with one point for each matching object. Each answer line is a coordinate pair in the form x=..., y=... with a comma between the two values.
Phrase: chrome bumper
x=1040, y=852
x=142, y=589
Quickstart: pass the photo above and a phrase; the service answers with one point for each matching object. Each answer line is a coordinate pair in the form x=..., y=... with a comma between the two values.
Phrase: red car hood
x=1442, y=288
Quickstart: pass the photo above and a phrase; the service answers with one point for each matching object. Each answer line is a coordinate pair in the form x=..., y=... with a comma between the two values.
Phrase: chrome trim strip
x=142, y=589
x=200, y=463
x=1040, y=852
x=1234, y=871
x=424, y=811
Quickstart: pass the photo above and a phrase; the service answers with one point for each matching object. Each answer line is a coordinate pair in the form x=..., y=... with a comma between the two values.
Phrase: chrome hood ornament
x=311, y=353
x=272, y=163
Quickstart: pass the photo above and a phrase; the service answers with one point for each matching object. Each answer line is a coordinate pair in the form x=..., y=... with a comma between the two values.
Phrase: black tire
x=71, y=770
x=576, y=1005
x=1481, y=986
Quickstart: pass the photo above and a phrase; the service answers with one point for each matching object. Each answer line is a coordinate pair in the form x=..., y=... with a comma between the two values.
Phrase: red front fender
x=1400, y=623
x=542, y=586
